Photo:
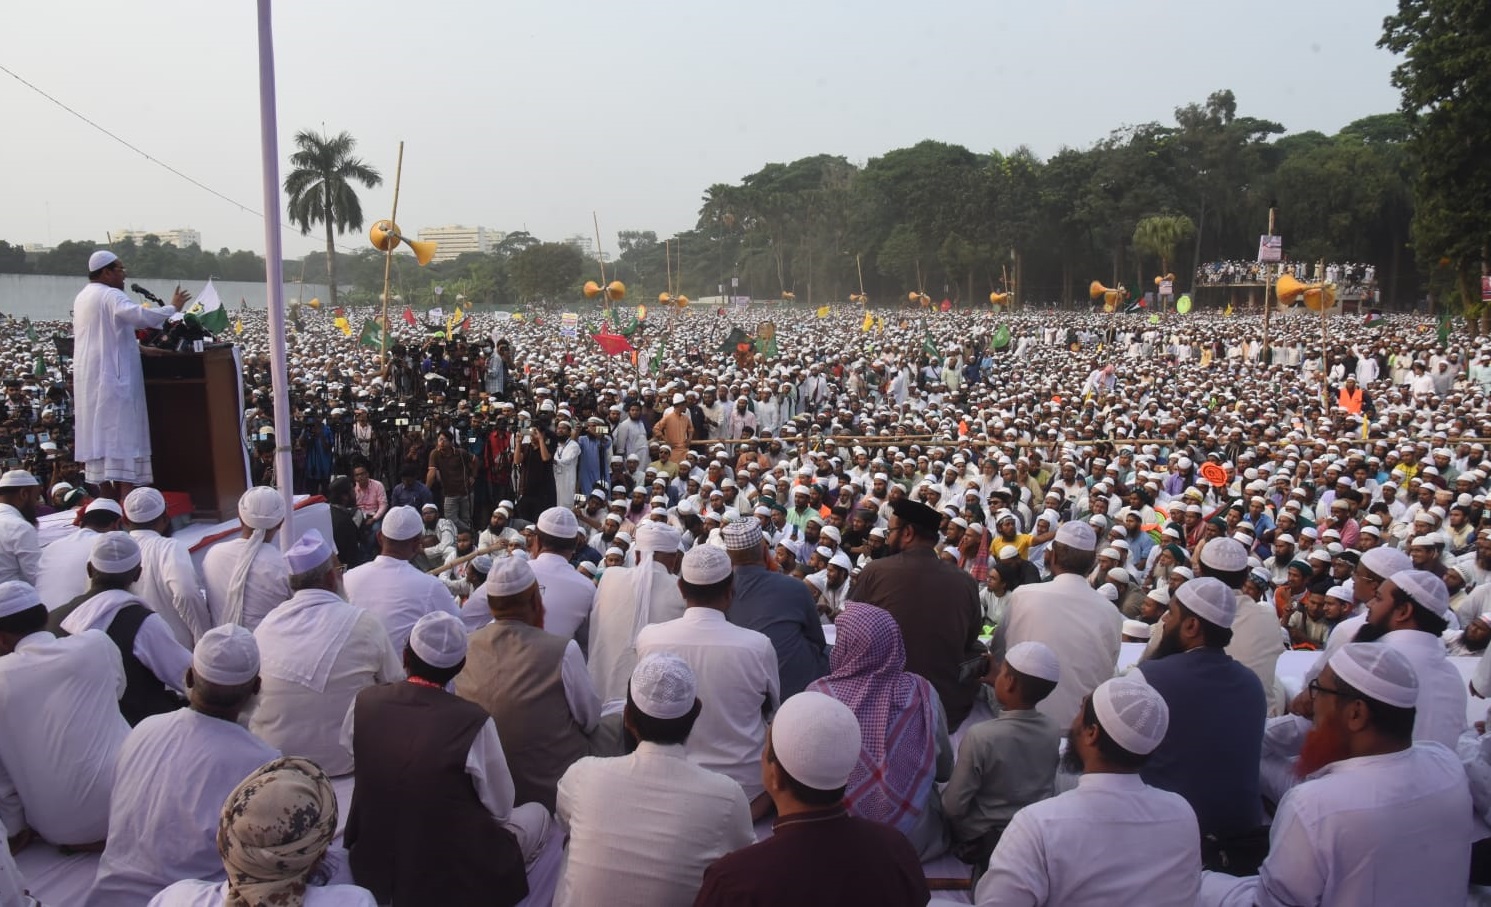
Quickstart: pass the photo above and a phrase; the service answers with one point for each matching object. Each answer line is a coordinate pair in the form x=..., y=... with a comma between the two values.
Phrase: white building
x=180, y=238
x=453, y=241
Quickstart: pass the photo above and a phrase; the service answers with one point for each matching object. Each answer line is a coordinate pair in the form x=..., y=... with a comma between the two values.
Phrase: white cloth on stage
x=60, y=735
x=268, y=580
x=169, y=584
x=195, y=893
x=398, y=594
x=614, y=623
x=735, y=671
x=112, y=425
x=316, y=652
x=174, y=772
x=63, y=572
x=568, y=596
x=644, y=827
x=155, y=645
x=20, y=552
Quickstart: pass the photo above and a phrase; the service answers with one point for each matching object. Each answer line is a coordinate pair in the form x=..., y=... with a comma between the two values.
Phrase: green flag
x=1154, y=319
x=214, y=321
x=629, y=329
x=30, y=330
x=766, y=347
x=372, y=334
x=40, y=367
x=1001, y=337
x=929, y=347
x=1444, y=328
x=656, y=365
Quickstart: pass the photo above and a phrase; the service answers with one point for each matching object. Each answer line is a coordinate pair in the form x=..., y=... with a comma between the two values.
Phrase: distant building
x=454, y=241
x=36, y=248
x=586, y=246
x=181, y=238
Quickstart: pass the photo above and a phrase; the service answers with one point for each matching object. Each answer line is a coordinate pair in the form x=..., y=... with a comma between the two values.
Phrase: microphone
x=147, y=294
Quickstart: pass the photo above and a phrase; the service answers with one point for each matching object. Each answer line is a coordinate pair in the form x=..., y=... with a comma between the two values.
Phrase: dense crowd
x=1350, y=276
x=871, y=575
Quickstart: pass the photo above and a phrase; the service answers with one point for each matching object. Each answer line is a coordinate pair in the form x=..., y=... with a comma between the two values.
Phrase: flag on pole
x=1374, y=319
x=238, y=325
x=372, y=334
x=1227, y=312
x=823, y=311
x=1444, y=328
x=457, y=318
x=409, y=316
x=209, y=310
x=869, y=322
x=929, y=347
x=40, y=367
x=339, y=318
x=1001, y=337
x=879, y=323
x=656, y=364
x=612, y=344
x=30, y=330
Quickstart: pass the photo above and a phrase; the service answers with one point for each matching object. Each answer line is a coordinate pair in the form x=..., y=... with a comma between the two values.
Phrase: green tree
x=547, y=271
x=13, y=259
x=1159, y=235
x=321, y=190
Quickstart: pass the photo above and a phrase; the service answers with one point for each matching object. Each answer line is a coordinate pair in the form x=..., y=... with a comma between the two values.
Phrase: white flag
x=435, y=316
x=208, y=300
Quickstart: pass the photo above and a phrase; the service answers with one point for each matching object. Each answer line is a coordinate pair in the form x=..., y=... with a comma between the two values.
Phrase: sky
x=534, y=115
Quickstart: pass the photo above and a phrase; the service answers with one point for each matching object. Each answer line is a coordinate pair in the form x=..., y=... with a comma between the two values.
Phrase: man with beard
x=776, y=606
x=168, y=582
x=935, y=603
x=830, y=586
x=1059, y=851
x=1218, y=708
x=20, y=552
x=317, y=651
x=1378, y=818
x=498, y=528
x=1472, y=640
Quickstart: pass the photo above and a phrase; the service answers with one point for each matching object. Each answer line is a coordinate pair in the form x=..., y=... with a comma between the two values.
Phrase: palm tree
x=321, y=192
x=1159, y=235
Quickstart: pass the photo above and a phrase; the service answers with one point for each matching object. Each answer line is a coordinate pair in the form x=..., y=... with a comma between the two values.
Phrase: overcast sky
x=533, y=115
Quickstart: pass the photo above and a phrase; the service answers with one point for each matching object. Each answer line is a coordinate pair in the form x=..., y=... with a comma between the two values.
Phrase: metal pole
x=1268, y=273
x=393, y=220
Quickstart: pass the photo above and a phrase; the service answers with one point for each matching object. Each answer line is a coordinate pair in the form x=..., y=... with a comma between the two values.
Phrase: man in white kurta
x=568, y=596
x=175, y=771
x=246, y=577
x=649, y=823
x=566, y=464
x=735, y=668
x=317, y=651
x=20, y=550
x=113, y=430
x=60, y=726
x=168, y=582
x=628, y=599
x=64, y=562
x=390, y=587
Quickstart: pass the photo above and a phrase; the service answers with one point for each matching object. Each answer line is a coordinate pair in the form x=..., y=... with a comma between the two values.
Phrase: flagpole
x=284, y=474
x=1268, y=271
x=393, y=218
x=599, y=259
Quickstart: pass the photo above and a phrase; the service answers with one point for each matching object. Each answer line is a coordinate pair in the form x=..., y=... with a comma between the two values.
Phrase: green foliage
x=547, y=271
x=320, y=187
x=13, y=259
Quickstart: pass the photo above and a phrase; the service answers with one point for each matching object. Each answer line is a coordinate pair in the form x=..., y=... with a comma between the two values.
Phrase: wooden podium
x=196, y=435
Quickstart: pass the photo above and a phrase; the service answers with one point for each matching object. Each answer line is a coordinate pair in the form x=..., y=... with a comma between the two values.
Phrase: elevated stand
x=196, y=436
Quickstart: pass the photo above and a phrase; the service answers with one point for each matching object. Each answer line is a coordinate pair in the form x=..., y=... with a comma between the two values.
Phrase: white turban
x=261, y=509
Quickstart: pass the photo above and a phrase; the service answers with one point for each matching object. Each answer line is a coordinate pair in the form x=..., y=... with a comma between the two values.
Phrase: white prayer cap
x=1109, y=591
x=18, y=478
x=705, y=565
x=1077, y=535
x=226, y=655
x=1224, y=554
x=613, y=550
x=309, y=552
x=402, y=523
x=429, y=507
x=1209, y=599
x=1110, y=552
x=816, y=738
x=509, y=576
x=1034, y=659
x=114, y=552
x=142, y=505
x=742, y=536
x=261, y=507
x=1160, y=594
x=663, y=686
x=482, y=564
x=439, y=639
x=1423, y=589
x=656, y=536
x=559, y=522
x=1378, y=672
x=1119, y=575
x=108, y=504
x=824, y=551
x=17, y=596
x=1133, y=713
x=100, y=260
x=1385, y=561
x=841, y=560
x=1340, y=593
x=1137, y=629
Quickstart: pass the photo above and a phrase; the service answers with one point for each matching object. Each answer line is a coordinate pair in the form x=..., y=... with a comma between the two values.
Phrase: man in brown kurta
x=676, y=429
x=935, y=603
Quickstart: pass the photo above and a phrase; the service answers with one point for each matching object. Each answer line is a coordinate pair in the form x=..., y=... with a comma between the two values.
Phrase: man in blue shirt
x=410, y=492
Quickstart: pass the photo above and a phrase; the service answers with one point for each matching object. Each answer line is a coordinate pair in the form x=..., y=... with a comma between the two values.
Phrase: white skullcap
x=742, y=536
x=108, y=504
x=1133, y=713
x=1137, y=629
x=1424, y=588
x=402, y=523
x=1160, y=594
x=1225, y=554
x=832, y=532
x=1077, y=535
x=1109, y=591
x=482, y=564
x=824, y=551
x=261, y=507
x=1119, y=575
x=1340, y=593
x=1385, y=561
x=17, y=596
x=142, y=505
x=439, y=639
x=1110, y=552
x=100, y=260
x=1034, y=659
x=705, y=565
x=663, y=686
x=509, y=576
x=309, y=552
x=816, y=738
x=655, y=536
x=613, y=550
x=114, y=552
x=226, y=655
x=1209, y=599
x=1378, y=672
x=559, y=522
x=841, y=560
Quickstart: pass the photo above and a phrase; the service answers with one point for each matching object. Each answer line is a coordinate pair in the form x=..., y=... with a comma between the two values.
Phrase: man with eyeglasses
x=1382, y=816
x=113, y=428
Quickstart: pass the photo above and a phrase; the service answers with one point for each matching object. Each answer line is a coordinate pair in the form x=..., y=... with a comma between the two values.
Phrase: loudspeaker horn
x=386, y=237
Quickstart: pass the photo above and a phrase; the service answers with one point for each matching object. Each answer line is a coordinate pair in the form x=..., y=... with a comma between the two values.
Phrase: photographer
x=595, y=454
x=455, y=468
x=536, y=493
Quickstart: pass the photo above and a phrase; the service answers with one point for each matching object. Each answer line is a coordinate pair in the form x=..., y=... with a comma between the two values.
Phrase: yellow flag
x=238, y=326
x=455, y=319
x=343, y=325
x=879, y=323
x=823, y=311
x=868, y=323
x=1228, y=311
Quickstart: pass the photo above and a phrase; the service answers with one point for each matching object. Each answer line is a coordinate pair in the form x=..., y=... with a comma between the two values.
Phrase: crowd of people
x=730, y=629
x=1350, y=275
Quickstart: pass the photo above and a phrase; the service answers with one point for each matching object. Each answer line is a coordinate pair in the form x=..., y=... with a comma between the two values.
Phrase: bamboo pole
x=398, y=174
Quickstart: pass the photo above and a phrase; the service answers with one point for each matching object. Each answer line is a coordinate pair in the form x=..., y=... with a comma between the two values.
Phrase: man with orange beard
x=1377, y=818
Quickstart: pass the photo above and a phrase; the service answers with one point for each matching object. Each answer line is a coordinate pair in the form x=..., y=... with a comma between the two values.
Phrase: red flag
x=339, y=312
x=409, y=316
x=612, y=344
x=466, y=323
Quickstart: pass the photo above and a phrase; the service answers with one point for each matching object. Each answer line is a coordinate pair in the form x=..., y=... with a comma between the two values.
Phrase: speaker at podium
x=196, y=435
